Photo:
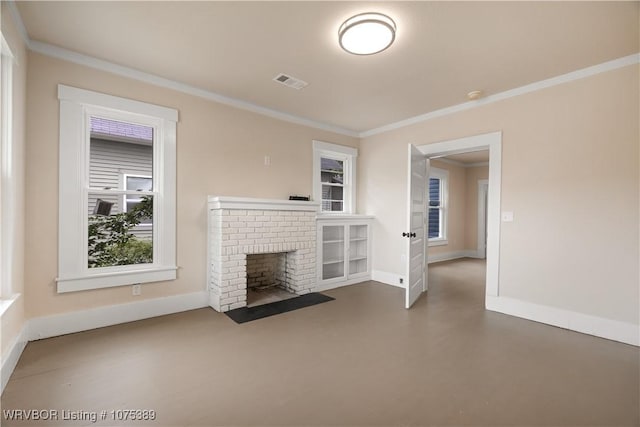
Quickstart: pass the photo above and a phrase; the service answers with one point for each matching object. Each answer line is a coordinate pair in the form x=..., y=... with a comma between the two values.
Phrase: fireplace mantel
x=249, y=203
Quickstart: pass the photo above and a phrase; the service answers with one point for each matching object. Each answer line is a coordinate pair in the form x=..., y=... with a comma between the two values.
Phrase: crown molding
x=532, y=87
x=17, y=20
x=77, y=58
x=110, y=67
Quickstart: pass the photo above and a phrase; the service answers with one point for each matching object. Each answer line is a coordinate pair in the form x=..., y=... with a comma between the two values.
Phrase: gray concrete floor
x=359, y=360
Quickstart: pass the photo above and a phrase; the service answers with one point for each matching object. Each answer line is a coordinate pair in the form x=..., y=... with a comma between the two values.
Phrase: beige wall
x=569, y=155
x=220, y=152
x=12, y=321
x=473, y=175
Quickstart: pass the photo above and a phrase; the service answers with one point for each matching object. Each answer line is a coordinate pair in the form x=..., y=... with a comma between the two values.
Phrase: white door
x=416, y=270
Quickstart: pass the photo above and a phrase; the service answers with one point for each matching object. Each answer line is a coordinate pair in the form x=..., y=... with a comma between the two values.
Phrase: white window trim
x=7, y=186
x=76, y=106
x=443, y=175
x=337, y=152
x=123, y=200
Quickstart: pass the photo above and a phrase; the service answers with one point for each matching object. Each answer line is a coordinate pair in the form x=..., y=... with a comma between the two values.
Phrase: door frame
x=492, y=142
x=483, y=189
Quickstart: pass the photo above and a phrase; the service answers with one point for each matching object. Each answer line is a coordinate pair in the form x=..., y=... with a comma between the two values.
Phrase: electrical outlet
x=136, y=290
x=507, y=216
x=401, y=280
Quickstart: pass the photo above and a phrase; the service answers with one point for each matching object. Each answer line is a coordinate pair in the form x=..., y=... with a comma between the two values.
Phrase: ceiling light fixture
x=367, y=33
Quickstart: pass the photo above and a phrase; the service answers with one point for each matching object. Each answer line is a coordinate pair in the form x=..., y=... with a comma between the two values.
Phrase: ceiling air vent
x=290, y=81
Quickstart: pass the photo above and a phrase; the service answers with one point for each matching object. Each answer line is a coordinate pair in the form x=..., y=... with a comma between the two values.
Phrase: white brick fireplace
x=238, y=227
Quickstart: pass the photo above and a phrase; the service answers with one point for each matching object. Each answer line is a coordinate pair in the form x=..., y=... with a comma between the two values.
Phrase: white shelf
x=344, y=250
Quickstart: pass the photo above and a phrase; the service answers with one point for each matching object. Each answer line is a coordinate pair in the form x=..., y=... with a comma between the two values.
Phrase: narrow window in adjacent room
x=438, y=192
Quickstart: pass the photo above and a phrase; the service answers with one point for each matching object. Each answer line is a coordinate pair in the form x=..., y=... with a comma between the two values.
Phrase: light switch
x=267, y=160
x=507, y=216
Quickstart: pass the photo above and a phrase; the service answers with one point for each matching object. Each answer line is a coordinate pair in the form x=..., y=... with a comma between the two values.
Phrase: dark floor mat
x=247, y=314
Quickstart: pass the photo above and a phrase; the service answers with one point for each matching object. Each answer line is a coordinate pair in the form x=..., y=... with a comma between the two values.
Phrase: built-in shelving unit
x=344, y=247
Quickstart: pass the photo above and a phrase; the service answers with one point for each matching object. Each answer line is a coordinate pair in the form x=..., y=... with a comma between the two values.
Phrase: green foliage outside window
x=110, y=239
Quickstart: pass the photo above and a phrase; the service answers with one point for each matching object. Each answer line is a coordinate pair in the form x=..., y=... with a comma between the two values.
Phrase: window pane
x=139, y=183
x=332, y=206
x=332, y=171
x=434, y=223
x=332, y=198
x=135, y=204
x=337, y=206
x=118, y=149
x=332, y=192
x=116, y=237
x=434, y=192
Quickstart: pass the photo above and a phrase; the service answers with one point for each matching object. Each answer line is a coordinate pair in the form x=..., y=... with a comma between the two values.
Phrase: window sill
x=116, y=278
x=438, y=242
x=5, y=304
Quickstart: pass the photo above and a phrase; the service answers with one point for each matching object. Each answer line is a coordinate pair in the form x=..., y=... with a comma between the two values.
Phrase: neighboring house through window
x=117, y=191
x=438, y=197
x=334, y=177
x=140, y=183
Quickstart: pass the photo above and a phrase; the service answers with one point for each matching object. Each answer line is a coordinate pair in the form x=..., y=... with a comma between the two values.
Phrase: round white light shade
x=367, y=33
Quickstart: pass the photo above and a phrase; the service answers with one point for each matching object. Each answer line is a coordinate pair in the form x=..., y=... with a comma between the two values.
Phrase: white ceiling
x=442, y=50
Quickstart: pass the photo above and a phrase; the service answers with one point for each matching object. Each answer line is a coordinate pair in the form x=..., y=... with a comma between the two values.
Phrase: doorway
x=493, y=143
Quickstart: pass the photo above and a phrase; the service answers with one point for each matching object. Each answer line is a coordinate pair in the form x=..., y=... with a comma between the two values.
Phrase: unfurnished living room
x=320, y=213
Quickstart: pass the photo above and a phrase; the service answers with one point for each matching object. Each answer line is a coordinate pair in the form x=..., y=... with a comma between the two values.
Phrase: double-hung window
x=334, y=177
x=117, y=191
x=438, y=197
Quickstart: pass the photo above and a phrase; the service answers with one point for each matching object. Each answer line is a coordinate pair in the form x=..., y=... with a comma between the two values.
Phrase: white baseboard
x=13, y=355
x=339, y=284
x=77, y=321
x=393, y=279
x=447, y=256
x=627, y=333
x=388, y=278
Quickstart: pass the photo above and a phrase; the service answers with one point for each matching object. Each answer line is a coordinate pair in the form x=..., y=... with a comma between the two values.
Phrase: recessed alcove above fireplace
x=242, y=227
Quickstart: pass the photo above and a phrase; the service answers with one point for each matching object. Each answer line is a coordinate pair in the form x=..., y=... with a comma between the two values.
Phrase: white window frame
x=76, y=108
x=443, y=176
x=348, y=156
x=7, y=186
x=124, y=196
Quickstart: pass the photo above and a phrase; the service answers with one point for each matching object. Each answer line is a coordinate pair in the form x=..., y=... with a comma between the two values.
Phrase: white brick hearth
x=241, y=226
